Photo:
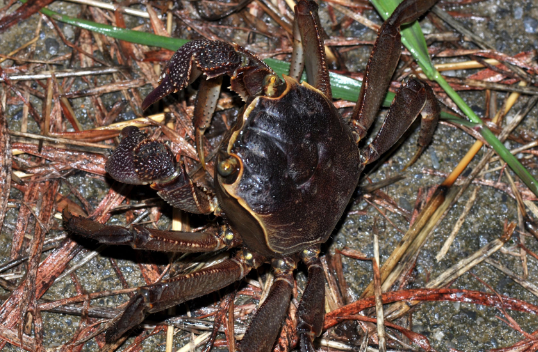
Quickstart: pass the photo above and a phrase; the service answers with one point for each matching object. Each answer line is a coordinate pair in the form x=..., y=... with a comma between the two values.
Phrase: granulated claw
x=213, y=59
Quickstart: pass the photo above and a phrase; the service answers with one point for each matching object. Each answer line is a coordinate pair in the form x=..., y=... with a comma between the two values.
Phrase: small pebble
x=17, y=116
x=502, y=12
x=438, y=335
x=435, y=159
x=518, y=13
x=450, y=73
x=427, y=27
x=404, y=203
x=505, y=36
x=530, y=24
x=478, y=110
x=52, y=46
x=68, y=32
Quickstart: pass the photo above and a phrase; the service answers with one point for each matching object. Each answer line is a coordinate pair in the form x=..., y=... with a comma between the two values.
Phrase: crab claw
x=212, y=58
x=139, y=160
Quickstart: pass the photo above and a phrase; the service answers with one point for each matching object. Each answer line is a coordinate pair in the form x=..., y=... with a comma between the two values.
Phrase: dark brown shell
x=299, y=170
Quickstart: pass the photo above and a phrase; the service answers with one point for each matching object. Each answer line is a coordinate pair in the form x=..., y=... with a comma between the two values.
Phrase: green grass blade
x=118, y=33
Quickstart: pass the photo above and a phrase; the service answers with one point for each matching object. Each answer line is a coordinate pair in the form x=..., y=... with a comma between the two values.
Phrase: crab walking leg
x=412, y=99
x=311, y=311
x=382, y=63
x=265, y=326
x=308, y=48
x=206, y=103
x=140, y=237
x=297, y=55
x=157, y=297
x=430, y=117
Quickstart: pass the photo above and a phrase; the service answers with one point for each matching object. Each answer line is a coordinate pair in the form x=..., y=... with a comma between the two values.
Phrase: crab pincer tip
x=153, y=97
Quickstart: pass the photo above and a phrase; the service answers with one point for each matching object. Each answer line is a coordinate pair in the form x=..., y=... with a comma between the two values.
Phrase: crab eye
x=270, y=84
x=228, y=167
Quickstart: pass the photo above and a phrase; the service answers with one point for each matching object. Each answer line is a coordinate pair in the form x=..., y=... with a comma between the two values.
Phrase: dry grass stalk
x=532, y=288
x=444, y=249
x=378, y=303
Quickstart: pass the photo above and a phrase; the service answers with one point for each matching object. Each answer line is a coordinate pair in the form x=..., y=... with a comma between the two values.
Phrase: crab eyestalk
x=272, y=85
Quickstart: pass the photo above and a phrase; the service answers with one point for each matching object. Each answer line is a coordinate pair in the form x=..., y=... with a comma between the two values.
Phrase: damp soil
x=510, y=26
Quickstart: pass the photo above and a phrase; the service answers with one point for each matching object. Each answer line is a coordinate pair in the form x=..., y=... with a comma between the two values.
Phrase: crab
x=284, y=173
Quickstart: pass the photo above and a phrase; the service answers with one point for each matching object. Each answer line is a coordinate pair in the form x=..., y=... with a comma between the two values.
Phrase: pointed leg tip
x=111, y=336
x=145, y=105
x=66, y=215
x=150, y=100
x=134, y=314
x=415, y=158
